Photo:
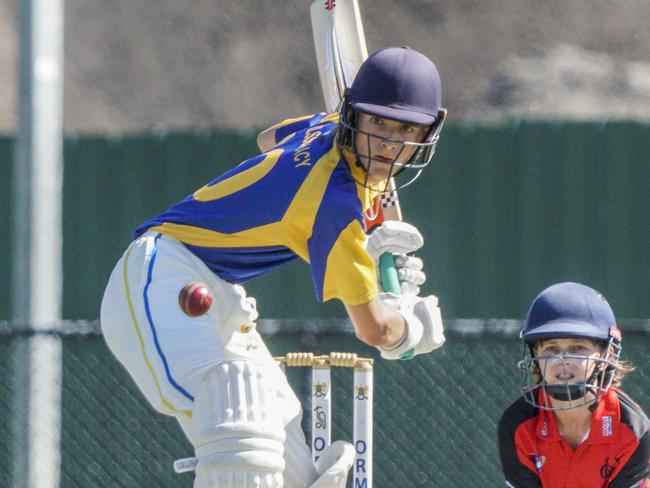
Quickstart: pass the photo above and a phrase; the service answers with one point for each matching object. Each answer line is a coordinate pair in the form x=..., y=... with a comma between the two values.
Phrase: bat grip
x=388, y=274
x=390, y=283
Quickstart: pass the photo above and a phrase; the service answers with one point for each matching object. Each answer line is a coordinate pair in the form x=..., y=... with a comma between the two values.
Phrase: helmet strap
x=566, y=393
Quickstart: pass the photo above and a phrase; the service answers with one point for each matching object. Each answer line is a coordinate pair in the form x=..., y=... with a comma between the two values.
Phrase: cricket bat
x=340, y=45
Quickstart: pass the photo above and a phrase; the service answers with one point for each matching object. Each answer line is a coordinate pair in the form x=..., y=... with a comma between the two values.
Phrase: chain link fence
x=435, y=416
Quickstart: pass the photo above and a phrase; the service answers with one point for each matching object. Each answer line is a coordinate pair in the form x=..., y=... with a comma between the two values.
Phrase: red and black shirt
x=615, y=454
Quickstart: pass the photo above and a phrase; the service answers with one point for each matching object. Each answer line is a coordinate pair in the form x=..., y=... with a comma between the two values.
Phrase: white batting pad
x=238, y=431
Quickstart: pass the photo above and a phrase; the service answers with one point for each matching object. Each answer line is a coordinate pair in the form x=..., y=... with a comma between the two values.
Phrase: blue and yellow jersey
x=297, y=200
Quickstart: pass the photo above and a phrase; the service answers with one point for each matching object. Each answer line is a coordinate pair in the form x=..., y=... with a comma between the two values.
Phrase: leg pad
x=238, y=433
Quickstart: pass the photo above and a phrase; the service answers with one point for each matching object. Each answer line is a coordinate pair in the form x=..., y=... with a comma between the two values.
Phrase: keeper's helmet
x=569, y=310
x=397, y=83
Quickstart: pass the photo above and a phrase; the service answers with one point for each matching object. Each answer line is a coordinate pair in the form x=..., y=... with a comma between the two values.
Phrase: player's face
x=382, y=140
x=567, y=361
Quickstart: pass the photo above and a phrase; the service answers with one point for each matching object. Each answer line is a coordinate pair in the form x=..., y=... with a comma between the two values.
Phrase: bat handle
x=408, y=355
x=390, y=283
x=388, y=274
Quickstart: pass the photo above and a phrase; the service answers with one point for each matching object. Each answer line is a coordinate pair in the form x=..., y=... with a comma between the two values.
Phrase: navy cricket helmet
x=569, y=311
x=401, y=84
x=398, y=83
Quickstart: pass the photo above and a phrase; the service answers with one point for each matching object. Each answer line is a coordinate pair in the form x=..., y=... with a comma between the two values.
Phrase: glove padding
x=424, y=329
x=409, y=273
x=399, y=238
x=394, y=236
x=433, y=336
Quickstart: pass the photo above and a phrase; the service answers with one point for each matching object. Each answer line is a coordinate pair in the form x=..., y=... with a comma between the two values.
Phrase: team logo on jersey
x=302, y=156
x=606, y=425
x=607, y=469
x=538, y=459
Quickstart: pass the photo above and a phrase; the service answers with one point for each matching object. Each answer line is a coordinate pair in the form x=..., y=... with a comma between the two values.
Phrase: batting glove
x=399, y=238
x=424, y=330
x=433, y=336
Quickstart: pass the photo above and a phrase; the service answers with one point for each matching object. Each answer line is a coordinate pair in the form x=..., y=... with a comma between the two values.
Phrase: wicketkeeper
x=303, y=197
x=573, y=425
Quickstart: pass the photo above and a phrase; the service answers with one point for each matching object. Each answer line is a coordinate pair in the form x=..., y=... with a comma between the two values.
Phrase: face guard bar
x=423, y=151
x=538, y=392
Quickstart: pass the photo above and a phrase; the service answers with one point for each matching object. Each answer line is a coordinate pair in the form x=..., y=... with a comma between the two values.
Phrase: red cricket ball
x=195, y=299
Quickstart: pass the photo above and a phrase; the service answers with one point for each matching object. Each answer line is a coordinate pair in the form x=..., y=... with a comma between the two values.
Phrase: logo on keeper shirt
x=538, y=459
x=606, y=470
x=606, y=426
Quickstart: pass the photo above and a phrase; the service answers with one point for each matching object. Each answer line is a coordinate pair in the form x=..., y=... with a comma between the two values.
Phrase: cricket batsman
x=303, y=197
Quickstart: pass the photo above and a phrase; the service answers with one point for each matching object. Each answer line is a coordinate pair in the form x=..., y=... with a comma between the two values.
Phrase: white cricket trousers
x=168, y=353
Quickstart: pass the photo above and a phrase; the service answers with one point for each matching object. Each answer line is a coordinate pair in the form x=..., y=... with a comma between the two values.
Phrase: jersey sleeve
x=288, y=127
x=517, y=474
x=340, y=265
x=350, y=272
x=636, y=472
